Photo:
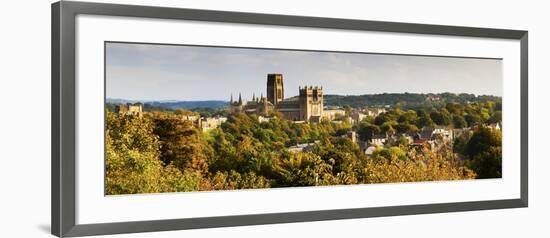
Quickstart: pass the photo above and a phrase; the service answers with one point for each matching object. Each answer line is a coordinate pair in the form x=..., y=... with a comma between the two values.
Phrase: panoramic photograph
x=182, y=118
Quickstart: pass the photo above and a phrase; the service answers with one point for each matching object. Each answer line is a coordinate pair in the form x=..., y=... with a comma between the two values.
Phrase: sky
x=187, y=73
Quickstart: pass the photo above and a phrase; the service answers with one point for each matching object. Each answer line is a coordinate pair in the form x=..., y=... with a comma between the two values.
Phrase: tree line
x=409, y=100
x=452, y=115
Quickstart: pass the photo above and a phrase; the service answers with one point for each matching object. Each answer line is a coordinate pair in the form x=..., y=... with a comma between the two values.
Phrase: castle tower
x=318, y=103
x=275, y=89
x=311, y=103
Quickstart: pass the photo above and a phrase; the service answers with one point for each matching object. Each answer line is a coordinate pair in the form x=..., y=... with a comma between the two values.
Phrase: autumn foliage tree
x=132, y=160
x=180, y=144
x=428, y=167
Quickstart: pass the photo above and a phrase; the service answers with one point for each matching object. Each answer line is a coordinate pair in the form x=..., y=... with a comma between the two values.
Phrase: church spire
x=231, y=98
x=253, y=96
x=240, y=99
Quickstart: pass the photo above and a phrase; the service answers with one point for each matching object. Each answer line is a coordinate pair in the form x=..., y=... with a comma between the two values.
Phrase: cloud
x=138, y=71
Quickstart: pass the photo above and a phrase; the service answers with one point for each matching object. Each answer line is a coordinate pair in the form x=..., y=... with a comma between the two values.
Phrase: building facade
x=209, y=123
x=134, y=109
x=307, y=107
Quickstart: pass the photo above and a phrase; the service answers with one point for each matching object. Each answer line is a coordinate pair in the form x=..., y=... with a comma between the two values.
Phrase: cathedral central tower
x=275, y=89
x=308, y=107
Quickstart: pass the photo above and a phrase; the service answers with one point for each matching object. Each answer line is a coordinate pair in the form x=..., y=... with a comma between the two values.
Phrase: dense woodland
x=405, y=100
x=159, y=152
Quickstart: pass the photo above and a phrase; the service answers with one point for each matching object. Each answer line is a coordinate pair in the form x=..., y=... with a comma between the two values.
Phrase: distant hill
x=407, y=99
x=411, y=99
x=190, y=104
x=214, y=104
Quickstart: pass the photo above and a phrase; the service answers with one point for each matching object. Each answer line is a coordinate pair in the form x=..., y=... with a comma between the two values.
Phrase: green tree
x=409, y=117
x=390, y=153
x=424, y=119
x=495, y=118
x=484, y=150
x=367, y=130
x=459, y=122
x=472, y=119
x=389, y=127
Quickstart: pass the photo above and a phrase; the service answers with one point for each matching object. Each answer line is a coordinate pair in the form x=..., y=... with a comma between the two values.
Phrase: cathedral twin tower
x=307, y=107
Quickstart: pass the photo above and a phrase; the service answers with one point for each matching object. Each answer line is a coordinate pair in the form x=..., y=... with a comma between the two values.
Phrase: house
x=446, y=133
x=432, y=138
x=424, y=134
x=378, y=139
x=373, y=112
x=341, y=120
x=422, y=144
x=333, y=113
x=396, y=139
x=209, y=123
x=357, y=117
x=192, y=118
x=432, y=133
x=130, y=109
x=264, y=119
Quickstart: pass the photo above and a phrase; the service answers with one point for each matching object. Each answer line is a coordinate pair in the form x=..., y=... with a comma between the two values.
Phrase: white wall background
x=25, y=118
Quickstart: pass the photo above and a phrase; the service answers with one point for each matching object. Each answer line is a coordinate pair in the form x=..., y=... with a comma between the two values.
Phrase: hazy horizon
x=146, y=72
x=236, y=96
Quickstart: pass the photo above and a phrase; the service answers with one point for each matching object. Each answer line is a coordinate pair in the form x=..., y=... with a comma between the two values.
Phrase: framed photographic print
x=167, y=118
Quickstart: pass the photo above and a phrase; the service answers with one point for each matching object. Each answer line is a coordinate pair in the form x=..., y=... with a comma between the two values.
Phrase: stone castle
x=129, y=109
x=307, y=107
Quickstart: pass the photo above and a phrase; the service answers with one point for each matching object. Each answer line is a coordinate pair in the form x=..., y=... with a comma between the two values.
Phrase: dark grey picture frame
x=63, y=213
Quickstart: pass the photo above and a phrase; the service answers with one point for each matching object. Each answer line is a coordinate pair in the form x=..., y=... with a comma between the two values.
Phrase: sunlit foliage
x=161, y=152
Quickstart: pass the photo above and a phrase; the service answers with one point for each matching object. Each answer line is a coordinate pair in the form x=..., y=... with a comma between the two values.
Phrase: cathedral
x=307, y=107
